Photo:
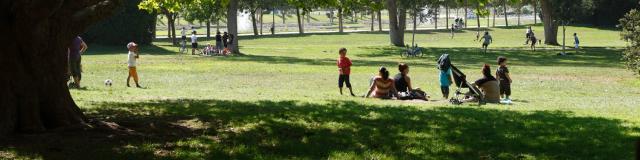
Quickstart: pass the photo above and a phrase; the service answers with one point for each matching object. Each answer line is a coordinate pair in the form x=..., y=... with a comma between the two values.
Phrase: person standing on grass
x=131, y=62
x=502, y=74
x=75, y=52
x=576, y=41
x=183, y=32
x=225, y=39
x=444, y=64
x=453, y=30
x=219, y=43
x=194, y=43
x=534, y=40
x=487, y=40
x=344, y=68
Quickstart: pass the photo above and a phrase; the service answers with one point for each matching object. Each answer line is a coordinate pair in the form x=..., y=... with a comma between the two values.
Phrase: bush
x=630, y=24
x=127, y=24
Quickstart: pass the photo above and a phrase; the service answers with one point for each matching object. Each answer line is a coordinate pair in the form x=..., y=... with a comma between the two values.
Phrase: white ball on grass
x=108, y=82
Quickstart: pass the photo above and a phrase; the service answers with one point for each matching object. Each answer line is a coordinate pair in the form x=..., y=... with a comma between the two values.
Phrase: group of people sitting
x=400, y=86
x=223, y=42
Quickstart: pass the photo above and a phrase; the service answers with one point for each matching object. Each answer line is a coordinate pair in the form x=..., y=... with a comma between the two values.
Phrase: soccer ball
x=108, y=82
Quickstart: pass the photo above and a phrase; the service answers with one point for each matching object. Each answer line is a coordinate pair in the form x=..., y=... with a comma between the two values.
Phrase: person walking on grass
x=576, y=42
x=487, y=40
x=534, y=40
x=131, y=62
x=502, y=74
x=194, y=43
x=344, y=69
x=528, y=35
x=75, y=56
x=453, y=31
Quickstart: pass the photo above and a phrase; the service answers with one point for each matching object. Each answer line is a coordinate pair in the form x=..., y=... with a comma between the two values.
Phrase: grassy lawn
x=280, y=101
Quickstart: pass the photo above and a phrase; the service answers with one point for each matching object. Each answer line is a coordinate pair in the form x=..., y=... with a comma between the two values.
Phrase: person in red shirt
x=344, y=67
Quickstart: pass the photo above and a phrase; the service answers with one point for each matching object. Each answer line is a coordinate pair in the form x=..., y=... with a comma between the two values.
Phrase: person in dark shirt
x=75, y=51
x=404, y=86
x=225, y=39
x=502, y=74
x=219, y=45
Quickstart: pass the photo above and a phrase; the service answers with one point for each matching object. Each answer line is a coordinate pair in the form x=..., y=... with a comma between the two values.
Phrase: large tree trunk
x=519, y=9
x=232, y=25
x=504, y=7
x=33, y=92
x=340, y=21
x=253, y=22
x=436, y=16
x=380, y=20
x=397, y=18
x=300, y=25
x=550, y=27
x=495, y=11
x=478, y=17
x=415, y=27
x=168, y=26
x=173, y=29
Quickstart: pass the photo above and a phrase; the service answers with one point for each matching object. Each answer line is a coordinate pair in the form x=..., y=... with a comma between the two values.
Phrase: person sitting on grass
x=404, y=87
x=502, y=74
x=133, y=56
x=487, y=40
x=209, y=50
x=489, y=86
x=344, y=68
x=382, y=86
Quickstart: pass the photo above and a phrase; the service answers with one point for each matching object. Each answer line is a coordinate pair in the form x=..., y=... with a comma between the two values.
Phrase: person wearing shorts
x=487, y=40
x=219, y=45
x=194, y=43
x=131, y=63
x=344, y=68
x=502, y=75
x=75, y=56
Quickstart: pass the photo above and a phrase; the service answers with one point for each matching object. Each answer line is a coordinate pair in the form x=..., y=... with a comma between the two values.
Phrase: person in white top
x=183, y=47
x=131, y=62
x=194, y=43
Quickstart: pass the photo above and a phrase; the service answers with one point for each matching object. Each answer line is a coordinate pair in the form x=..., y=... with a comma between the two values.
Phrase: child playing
x=502, y=74
x=194, y=43
x=487, y=40
x=444, y=64
x=133, y=56
x=344, y=68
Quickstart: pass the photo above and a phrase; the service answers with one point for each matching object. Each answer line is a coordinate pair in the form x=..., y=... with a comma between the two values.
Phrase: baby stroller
x=461, y=82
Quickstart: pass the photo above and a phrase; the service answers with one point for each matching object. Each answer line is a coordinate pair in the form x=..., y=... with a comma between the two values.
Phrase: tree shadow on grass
x=588, y=57
x=95, y=49
x=222, y=129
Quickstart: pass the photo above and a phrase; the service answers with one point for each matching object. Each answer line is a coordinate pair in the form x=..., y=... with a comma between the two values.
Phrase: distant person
x=444, y=65
x=344, y=68
x=225, y=39
x=487, y=40
x=209, y=49
x=131, y=62
x=534, y=40
x=219, y=45
x=273, y=29
x=382, y=86
x=404, y=86
x=502, y=74
x=528, y=35
x=477, y=36
x=194, y=43
x=453, y=30
x=183, y=47
x=576, y=41
x=77, y=48
x=489, y=86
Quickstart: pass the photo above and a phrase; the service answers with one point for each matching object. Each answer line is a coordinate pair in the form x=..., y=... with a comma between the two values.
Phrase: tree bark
x=340, y=21
x=397, y=19
x=535, y=12
x=33, y=92
x=550, y=27
x=208, y=28
x=495, y=11
x=173, y=29
x=415, y=27
x=519, y=15
x=436, y=16
x=168, y=25
x=253, y=21
x=446, y=6
x=504, y=7
x=478, y=17
x=466, y=12
x=261, y=18
x=380, y=20
x=300, y=25
x=232, y=25
x=373, y=17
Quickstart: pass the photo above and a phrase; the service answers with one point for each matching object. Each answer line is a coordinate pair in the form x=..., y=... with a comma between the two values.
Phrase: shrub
x=630, y=24
x=127, y=24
